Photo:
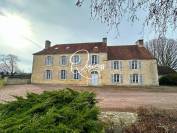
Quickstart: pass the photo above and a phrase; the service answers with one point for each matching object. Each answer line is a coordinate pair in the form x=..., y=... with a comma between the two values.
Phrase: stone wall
x=148, y=70
x=17, y=81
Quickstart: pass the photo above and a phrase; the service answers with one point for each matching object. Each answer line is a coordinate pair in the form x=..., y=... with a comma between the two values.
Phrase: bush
x=154, y=121
x=2, y=83
x=170, y=79
x=65, y=111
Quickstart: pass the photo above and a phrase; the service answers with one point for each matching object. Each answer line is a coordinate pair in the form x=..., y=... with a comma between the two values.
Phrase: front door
x=94, y=78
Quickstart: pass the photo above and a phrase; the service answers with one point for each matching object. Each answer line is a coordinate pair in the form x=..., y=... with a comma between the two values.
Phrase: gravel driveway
x=109, y=98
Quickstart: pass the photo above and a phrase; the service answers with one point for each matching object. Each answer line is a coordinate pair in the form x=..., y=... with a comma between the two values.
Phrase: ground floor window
x=76, y=74
x=48, y=74
x=117, y=78
x=136, y=78
x=63, y=74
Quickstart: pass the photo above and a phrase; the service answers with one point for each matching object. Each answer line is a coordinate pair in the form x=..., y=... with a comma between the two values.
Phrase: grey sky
x=60, y=21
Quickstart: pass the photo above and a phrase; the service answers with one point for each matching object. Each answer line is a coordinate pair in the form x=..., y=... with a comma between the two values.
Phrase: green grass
x=64, y=111
x=2, y=83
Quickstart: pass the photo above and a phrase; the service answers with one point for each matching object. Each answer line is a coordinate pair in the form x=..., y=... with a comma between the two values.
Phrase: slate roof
x=114, y=52
x=128, y=52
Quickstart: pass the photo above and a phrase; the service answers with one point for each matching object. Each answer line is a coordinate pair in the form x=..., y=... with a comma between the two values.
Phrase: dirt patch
x=109, y=98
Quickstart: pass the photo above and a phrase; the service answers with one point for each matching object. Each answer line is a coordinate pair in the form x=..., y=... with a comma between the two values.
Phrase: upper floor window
x=94, y=59
x=63, y=60
x=48, y=74
x=76, y=59
x=76, y=74
x=135, y=64
x=49, y=60
x=63, y=74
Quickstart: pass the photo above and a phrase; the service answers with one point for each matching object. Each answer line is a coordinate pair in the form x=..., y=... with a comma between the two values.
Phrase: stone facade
x=148, y=70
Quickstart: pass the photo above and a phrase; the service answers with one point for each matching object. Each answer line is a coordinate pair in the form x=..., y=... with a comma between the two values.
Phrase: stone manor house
x=95, y=63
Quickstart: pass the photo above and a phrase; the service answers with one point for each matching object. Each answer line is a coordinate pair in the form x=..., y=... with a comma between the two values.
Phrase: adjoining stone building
x=95, y=63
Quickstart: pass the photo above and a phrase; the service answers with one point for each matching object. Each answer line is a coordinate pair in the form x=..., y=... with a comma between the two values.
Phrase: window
x=76, y=59
x=134, y=64
x=48, y=74
x=134, y=78
x=94, y=59
x=63, y=74
x=48, y=60
x=116, y=78
x=63, y=60
x=116, y=64
x=76, y=74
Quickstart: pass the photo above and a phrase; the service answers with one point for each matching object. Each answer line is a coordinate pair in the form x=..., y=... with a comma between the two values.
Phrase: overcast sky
x=26, y=24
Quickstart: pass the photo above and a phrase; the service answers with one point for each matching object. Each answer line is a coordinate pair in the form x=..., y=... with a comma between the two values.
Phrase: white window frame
x=48, y=74
x=48, y=60
x=135, y=78
x=116, y=64
x=94, y=59
x=63, y=60
x=76, y=75
x=75, y=60
x=134, y=64
x=116, y=78
x=63, y=74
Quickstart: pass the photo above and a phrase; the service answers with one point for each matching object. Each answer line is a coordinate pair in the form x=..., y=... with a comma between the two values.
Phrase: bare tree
x=9, y=63
x=165, y=51
x=161, y=15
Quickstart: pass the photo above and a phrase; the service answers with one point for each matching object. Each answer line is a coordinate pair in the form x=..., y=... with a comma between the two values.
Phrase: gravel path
x=112, y=99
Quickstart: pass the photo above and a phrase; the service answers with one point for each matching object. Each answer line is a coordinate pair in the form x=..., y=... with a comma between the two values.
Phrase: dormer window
x=67, y=47
x=49, y=60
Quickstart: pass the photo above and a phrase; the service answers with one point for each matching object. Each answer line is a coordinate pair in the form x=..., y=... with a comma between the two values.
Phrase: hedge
x=170, y=79
x=64, y=111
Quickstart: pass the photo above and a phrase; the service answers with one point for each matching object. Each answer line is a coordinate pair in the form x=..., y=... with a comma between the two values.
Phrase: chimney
x=140, y=43
x=105, y=40
x=47, y=44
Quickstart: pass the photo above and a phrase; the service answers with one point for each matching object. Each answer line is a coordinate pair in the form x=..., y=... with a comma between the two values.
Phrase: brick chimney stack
x=105, y=40
x=140, y=43
x=47, y=44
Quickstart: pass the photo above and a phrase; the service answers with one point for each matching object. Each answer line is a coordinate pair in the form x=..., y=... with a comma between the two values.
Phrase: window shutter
x=98, y=59
x=130, y=78
x=90, y=59
x=130, y=64
x=59, y=74
x=80, y=59
x=120, y=64
x=112, y=78
x=112, y=64
x=139, y=64
x=51, y=74
x=141, y=79
x=66, y=74
x=121, y=78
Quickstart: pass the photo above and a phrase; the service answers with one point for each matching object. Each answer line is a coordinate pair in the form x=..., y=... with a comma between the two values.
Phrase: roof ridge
x=122, y=45
x=83, y=43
